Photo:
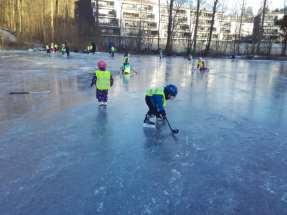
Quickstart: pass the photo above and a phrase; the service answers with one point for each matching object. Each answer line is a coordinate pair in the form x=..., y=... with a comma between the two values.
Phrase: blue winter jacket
x=157, y=101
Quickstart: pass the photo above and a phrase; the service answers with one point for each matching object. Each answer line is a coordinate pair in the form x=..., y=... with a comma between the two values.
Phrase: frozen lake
x=61, y=154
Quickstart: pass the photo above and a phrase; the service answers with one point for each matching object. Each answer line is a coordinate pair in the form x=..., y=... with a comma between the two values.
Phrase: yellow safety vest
x=127, y=69
x=103, y=80
x=157, y=91
x=200, y=64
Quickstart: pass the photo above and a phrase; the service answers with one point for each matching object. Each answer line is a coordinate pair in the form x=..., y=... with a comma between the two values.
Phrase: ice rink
x=60, y=154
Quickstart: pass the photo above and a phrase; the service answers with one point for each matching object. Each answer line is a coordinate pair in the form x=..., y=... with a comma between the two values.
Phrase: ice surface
x=62, y=154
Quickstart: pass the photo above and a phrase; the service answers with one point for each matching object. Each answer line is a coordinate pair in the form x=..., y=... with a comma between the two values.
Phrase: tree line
x=48, y=20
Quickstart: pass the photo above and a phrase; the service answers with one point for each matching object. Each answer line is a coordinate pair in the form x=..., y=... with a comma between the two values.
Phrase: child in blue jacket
x=156, y=101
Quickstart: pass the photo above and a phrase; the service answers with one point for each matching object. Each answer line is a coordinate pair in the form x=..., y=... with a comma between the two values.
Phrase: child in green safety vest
x=201, y=65
x=156, y=101
x=113, y=49
x=126, y=67
x=103, y=80
x=63, y=49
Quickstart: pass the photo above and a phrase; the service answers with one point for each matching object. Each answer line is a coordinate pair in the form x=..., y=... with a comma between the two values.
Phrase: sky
x=256, y=4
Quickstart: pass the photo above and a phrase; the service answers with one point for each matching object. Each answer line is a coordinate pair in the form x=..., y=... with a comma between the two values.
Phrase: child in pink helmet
x=103, y=81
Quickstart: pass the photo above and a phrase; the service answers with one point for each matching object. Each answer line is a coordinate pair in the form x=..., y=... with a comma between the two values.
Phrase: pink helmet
x=102, y=65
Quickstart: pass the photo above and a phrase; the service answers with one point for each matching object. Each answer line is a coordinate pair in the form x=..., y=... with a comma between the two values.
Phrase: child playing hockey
x=156, y=101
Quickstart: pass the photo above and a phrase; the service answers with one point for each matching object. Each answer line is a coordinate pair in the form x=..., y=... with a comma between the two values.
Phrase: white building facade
x=148, y=20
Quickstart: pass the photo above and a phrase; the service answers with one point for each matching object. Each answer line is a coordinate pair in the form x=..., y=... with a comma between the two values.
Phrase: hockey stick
x=173, y=130
x=29, y=92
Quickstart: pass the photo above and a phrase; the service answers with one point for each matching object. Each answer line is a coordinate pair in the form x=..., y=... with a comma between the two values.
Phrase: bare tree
x=158, y=34
x=86, y=22
x=283, y=26
x=214, y=10
x=174, y=7
x=19, y=11
x=189, y=43
x=120, y=24
x=196, y=25
x=261, y=31
x=240, y=25
x=140, y=33
x=169, y=27
x=52, y=19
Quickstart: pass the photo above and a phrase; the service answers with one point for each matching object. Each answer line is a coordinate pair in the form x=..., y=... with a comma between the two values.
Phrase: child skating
x=156, y=101
x=201, y=65
x=127, y=68
x=103, y=80
x=112, y=51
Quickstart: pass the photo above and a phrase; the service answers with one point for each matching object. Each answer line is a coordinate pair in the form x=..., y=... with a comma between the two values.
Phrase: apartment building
x=230, y=27
x=146, y=18
x=270, y=30
x=107, y=16
x=138, y=18
x=205, y=19
x=182, y=22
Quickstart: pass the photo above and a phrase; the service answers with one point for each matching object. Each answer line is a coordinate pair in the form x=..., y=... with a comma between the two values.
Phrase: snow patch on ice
x=175, y=175
x=268, y=187
x=284, y=197
x=197, y=147
x=100, y=190
x=187, y=164
x=147, y=210
x=100, y=207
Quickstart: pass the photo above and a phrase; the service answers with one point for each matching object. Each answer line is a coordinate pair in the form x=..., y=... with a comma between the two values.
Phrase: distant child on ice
x=103, y=80
x=127, y=68
x=201, y=65
x=156, y=101
x=113, y=50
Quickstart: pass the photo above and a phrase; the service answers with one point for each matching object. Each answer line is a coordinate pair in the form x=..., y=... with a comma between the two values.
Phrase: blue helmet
x=171, y=89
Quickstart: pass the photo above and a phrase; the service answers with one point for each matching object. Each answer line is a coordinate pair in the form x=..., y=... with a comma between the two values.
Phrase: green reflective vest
x=200, y=64
x=127, y=69
x=103, y=80
x=157, y=91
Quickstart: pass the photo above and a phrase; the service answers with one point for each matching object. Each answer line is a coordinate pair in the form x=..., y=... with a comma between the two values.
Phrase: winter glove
x=93, y=81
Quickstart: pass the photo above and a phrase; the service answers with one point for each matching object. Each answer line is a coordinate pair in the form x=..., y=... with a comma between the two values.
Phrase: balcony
x=152, y=24
x=184, y=27
x=131, y=15
x=106, y=4
x=109, y=22
x=150, y=16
